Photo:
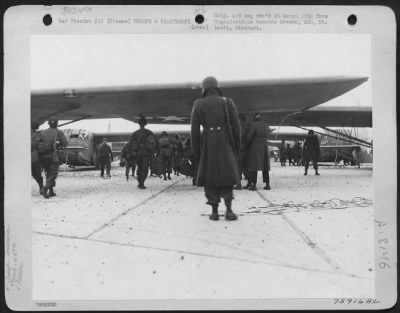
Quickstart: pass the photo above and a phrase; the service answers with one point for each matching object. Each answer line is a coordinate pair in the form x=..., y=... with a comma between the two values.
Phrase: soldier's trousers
x=130, y=164
x=37, y=173
x=253, y=177
x=143, y=164
x=105, y=163
x=177, y=162
x=307, y=163
x=51, y=168
x=214, y=194
x=242, y=167
x=166, y=163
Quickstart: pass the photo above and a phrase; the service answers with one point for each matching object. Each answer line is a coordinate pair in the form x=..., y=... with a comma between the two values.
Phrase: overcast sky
x=119, y=60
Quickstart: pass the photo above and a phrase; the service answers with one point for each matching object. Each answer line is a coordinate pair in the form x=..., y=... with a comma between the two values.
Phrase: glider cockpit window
x=75, y=133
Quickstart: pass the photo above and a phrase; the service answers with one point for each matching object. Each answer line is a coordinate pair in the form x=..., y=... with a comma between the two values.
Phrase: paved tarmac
x=105, y=239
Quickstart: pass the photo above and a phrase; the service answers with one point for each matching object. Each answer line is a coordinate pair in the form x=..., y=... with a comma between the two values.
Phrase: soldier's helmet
x=142, y=121
x=209, y=82
x=53, y=122
x=310, y=132
x=164, y=133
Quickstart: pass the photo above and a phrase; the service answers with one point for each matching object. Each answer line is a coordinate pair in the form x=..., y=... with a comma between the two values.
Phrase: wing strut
x=355, y=139
x=335, y=137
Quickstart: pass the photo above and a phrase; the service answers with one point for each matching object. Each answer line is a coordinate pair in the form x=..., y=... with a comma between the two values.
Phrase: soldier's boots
x=46, y=192
x=238, y=187
x=51, y=192
x=229, y=215
x=267, y=186
x=214, y=215
x=252, y=187
x=165, y=176
x=305, y=172
x=169, y=176
x=316, y=172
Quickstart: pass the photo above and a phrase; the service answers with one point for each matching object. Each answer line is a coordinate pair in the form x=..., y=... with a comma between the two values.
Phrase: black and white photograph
x=225, y=162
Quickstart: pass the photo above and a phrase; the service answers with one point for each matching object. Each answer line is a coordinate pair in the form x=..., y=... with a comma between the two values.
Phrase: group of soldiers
x=294, y=155
x=144, y=152
x=227, y=149
x=297, y=155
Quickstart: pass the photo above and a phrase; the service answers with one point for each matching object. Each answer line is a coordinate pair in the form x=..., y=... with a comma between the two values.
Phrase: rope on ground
x=292, y=207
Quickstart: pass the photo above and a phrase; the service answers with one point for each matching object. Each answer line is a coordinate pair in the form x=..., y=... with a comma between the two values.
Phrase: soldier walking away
x=105, y=158
x=216, y=151
x=129, y=158
x=242, y=153
x=54, y=138
x=297, y=151
x=258, y=154
x=35, y=160
x=165, y=154
x=144, y=144
x=289, y=154
x=311, y=151
x=177, y=155
x=188, y=156
x=282, y=153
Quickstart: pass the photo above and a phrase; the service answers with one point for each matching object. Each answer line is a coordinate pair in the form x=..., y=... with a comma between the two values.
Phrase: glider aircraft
x=281, y=102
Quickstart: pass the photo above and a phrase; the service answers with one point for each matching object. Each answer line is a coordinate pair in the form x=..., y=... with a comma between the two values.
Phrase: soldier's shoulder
x=60, y=132
x=228, y=100
x=198, y=101
x=149, y=132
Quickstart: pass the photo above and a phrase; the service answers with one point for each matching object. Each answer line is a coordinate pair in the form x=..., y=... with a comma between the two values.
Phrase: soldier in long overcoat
x=35, y=160
x=216, y=151
x=258, y=156
x=311, y=151
x=242, y=151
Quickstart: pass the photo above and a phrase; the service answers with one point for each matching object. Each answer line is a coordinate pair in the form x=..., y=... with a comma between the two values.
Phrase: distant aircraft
x=336, y=145
x=82, y=145
x=346, y=148
x=81, y=150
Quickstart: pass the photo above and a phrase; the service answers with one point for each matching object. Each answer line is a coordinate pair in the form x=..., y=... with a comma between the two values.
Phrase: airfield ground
x=308, y=237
